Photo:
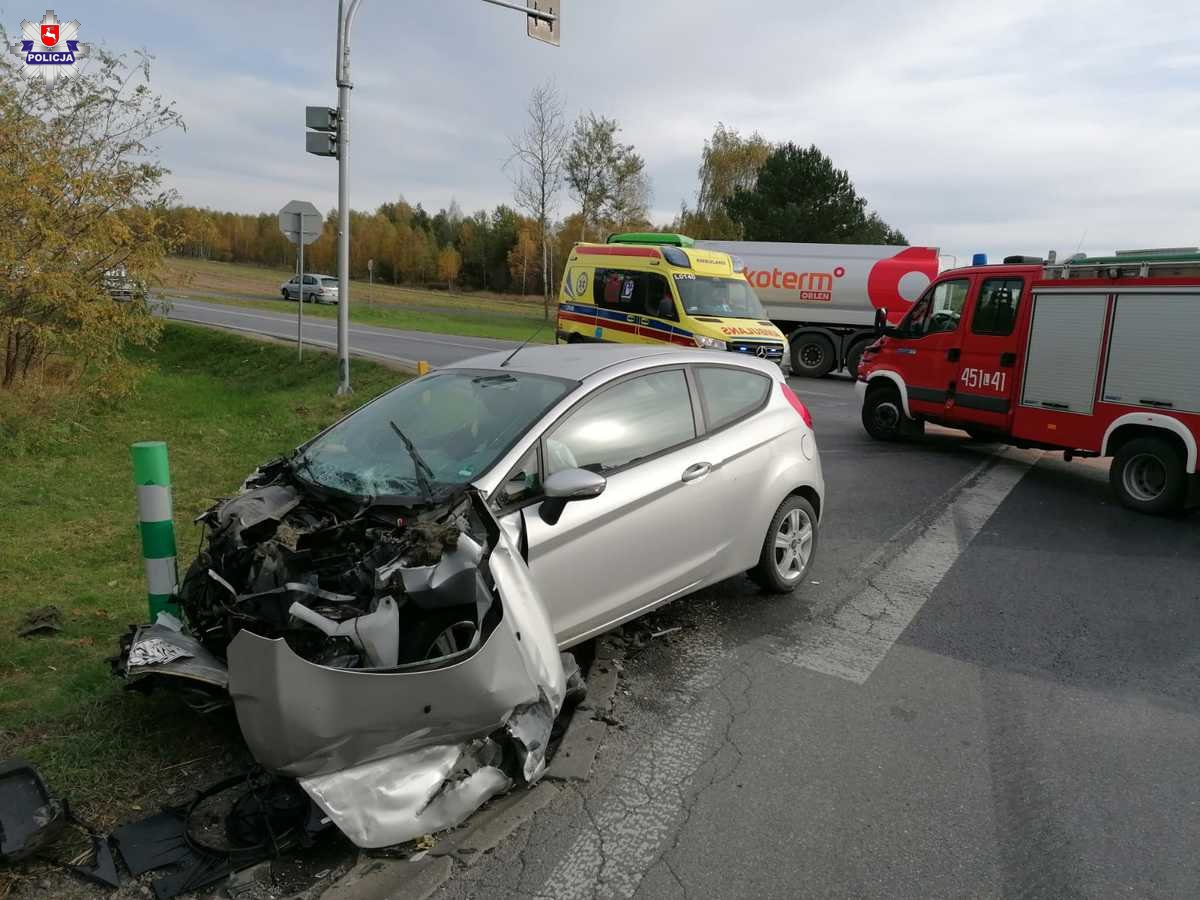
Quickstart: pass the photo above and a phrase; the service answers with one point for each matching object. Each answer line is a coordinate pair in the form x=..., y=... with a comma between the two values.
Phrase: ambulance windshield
x=730, y=298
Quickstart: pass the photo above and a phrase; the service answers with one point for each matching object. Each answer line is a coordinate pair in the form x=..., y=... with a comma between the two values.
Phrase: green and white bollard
x=152, y=476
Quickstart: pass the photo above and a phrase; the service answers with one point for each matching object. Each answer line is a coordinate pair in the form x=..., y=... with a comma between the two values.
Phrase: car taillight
x=797, y=405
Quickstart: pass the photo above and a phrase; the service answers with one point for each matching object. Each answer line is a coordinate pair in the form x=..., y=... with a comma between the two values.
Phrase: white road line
x=281, y=319
x=857, y=637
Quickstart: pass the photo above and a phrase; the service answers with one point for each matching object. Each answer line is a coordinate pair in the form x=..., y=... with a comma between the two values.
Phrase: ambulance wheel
x=812, y=356
x=788, y=549
x=1148, y=476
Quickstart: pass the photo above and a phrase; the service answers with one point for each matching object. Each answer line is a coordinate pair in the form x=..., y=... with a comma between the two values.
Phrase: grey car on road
x=628, y=475
x=317, y=289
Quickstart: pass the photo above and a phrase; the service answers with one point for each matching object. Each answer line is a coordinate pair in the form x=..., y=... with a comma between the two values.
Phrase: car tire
x=283, y=293
x=787, y=554
x=812, y=356
x=1148, y=476
x=854, y=357
x=883, y=414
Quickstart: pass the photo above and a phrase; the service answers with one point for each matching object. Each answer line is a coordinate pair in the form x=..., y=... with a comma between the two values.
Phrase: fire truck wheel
x=812, y=356
x=883, y=413
x=1148, y=476
x=789, y=547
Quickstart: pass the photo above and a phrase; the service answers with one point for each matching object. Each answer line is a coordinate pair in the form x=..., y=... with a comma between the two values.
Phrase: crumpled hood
x=303, y=719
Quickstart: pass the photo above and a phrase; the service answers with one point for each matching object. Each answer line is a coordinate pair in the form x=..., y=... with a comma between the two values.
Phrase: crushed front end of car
x=394, y=657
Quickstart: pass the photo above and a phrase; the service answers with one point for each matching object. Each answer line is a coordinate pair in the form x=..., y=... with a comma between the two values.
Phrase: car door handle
x=696, y=472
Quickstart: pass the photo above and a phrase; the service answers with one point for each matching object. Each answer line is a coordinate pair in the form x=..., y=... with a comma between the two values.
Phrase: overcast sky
x=967, y=125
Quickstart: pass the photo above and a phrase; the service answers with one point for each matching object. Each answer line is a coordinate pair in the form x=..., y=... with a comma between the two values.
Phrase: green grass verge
x=474, y=314
x=68, y=515
x=503, y=326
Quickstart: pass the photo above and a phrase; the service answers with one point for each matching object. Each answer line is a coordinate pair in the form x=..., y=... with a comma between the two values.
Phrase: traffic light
x=321, y=139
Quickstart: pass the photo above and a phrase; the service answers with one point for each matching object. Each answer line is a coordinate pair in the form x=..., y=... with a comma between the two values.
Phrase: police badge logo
x=50, y=48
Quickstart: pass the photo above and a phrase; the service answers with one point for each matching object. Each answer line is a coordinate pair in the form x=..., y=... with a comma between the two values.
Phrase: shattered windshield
x=458, y=424
x=727, y=297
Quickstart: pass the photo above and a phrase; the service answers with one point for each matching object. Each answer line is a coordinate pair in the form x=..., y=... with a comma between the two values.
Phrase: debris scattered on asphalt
x=42, y=620
x=666, y=631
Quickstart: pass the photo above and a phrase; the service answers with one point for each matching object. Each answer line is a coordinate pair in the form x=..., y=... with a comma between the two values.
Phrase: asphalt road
x=990, y=687
x=389, y=344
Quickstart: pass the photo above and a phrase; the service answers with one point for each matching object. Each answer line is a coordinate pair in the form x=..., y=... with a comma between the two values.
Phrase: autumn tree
x=524, y=259
x=537, y=166
x=801, y=196
x=448, y=265
x=80, y=198
x=607, y=178
x=729, y=163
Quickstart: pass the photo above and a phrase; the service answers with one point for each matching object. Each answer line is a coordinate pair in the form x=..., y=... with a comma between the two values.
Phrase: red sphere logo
x=915, y=266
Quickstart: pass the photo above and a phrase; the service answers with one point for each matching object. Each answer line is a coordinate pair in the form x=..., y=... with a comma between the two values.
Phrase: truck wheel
x=812, y=356
x=854, y=357
x=788, y=549
x=1148, y=476
x=883, y=415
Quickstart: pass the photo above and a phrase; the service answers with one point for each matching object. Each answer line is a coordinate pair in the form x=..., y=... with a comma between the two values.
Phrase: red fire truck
x=1094, y=357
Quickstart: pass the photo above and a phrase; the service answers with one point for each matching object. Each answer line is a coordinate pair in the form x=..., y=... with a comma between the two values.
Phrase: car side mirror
x=566, y=486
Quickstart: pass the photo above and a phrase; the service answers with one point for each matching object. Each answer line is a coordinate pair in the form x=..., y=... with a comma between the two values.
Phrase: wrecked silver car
x=381, y=640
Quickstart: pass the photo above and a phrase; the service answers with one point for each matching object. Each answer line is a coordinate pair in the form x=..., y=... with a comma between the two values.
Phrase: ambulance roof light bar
x=653, y=238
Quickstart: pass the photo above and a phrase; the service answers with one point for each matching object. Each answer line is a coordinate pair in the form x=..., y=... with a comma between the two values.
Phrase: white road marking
x=858, y=636
x=633, y=818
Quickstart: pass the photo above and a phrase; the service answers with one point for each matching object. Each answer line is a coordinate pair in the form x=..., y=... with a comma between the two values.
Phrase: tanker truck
x=823, y=297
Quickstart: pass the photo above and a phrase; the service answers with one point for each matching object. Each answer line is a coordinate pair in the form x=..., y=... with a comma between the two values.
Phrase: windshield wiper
x=300, y=462
x=423, y=472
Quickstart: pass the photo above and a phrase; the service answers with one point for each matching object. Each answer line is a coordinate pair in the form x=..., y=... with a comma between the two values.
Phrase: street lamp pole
x=346, y=15
x=544, y=18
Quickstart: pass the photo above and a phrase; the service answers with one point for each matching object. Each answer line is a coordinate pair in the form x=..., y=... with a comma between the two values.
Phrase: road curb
x=386, y=879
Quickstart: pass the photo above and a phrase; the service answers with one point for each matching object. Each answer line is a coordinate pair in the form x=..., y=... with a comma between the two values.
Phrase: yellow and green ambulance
x=648, y=288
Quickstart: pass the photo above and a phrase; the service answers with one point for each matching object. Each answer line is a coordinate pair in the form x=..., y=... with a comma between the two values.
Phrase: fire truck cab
x=1094, y=357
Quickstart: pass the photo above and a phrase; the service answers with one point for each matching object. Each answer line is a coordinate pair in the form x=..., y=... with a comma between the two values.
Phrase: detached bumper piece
x=398, y=662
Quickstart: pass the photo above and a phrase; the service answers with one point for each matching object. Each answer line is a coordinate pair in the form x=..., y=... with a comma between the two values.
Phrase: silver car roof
x=578, y=362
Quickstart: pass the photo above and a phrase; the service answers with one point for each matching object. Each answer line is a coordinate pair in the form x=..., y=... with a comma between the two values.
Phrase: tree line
x=81, y=198
x=747, y=189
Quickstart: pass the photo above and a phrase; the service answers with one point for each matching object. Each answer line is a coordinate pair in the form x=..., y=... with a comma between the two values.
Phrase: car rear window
x=329, y=282
x=730, y=394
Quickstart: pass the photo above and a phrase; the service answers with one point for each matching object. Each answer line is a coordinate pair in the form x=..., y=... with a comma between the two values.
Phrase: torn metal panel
x=405, y=796
x=159, y=649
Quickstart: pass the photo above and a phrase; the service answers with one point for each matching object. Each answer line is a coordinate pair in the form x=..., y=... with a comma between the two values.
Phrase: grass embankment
x=68, y=514
x=477, y=314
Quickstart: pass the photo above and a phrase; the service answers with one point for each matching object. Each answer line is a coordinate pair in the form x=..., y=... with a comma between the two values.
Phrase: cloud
x=1001, y=128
